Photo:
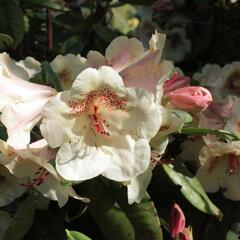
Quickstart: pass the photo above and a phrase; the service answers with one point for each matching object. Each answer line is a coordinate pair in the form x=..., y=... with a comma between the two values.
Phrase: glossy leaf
x=11, y=21
x=73, y=235
x=191, y=189
x=5, y=41
x=119, y=220
x=204, y=131
x=143, y=217
x=111, y=220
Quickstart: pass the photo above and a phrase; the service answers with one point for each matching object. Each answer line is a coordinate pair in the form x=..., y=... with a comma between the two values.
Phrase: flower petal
x=78, y=161
x=123, y=51
x=57, y=120
x=129, y=158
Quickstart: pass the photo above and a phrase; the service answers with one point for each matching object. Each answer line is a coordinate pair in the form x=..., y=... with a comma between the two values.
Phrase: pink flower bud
x=190, y=99
x=177, y=221
x=175, y=82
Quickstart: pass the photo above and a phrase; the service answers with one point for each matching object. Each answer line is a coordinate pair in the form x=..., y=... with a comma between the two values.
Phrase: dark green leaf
x=11, y=21
x=48, y=4
x=49, y=76
x=191, y=189
x=5, y=41
x=119, y=220
x=112, y=221
x=23, y=219
x=104, y=33
x=3, y=133
x=72, y=235
x=73, y=45
x=143, y=217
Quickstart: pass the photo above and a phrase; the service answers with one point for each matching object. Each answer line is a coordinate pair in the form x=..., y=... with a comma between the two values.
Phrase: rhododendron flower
x=225, y=80
x=177, y=221
x=190, y=99
x=175, y=82
x=210, y=76
x=233, y=123
x=33, y=167
x=137, y=67
x=21, y=102
x=220, y=168
x=30, y=65
x=67, y=68
x=137, y=186
x=217, y=113
x=101, y=127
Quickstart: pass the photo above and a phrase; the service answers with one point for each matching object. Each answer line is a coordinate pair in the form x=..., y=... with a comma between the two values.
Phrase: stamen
x=93, y=103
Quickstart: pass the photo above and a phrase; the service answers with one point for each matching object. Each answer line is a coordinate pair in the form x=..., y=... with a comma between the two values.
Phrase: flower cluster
x=112, y=118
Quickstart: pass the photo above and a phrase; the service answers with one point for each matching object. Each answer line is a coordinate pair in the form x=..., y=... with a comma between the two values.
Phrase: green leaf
x=119, y=220
x=111, y=220
x=204, y=131
x=186, y=117
x=47, y=4
x=232, y=235
x=11, y=21
x=73, y=235
x=3, y=133
x=104, y=32
x=191, y=189
x=49, y=76
x=5, y=41
x=74, y=44
x=23, y=219
x=143, y=217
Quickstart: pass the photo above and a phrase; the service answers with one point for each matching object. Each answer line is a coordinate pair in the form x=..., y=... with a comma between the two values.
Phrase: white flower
x=101, y=127
x=137, y=67
x=210, y=76
x=231, y=79
x=67, y=68
x=224, y=80
x=220, y=168
x=31, y=65
x=233, y=124
x=33, y=167
x=137, y=186
x=21, y=102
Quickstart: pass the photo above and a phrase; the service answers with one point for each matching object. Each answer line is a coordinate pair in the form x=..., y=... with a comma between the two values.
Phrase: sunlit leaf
x=191, y=189
x=73, y=235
